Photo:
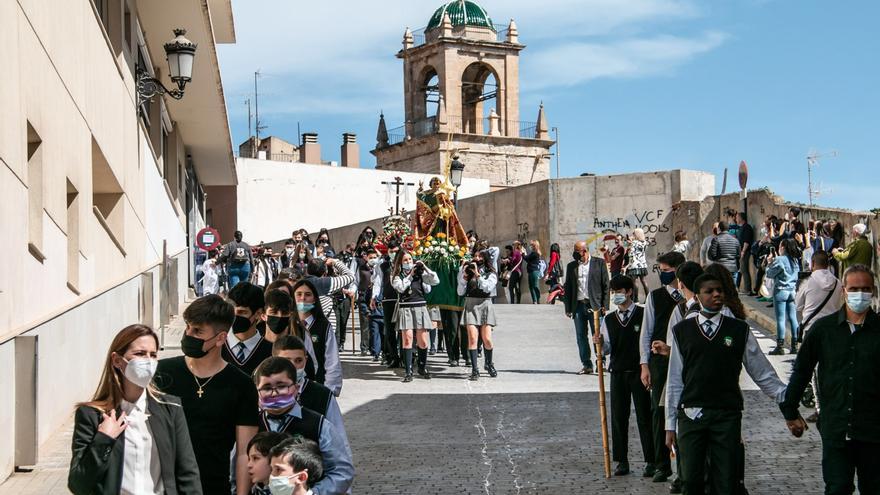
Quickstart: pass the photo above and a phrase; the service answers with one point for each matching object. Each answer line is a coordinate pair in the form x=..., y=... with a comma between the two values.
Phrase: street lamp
x=180, y=53
x=456, y=174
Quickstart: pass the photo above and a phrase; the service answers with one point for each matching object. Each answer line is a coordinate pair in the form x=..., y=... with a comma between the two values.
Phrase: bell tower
x=461, y=92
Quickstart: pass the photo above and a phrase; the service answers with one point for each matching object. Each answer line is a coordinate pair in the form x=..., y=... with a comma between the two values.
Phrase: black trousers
x=514, y=289
x=714, y=436
x=658, y=366
x=842, y=461
x=390, y=348
x=449, y=318
x=342, y=307
x=627, y=389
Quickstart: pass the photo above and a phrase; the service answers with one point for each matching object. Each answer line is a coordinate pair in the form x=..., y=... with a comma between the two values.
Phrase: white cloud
x=576, y=63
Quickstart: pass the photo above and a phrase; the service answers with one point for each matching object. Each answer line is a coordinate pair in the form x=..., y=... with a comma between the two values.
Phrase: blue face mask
x=304, y=307
x=707, y=311
x=407, y=266
x=617, y=298
x=858, y=302
x=667, y=278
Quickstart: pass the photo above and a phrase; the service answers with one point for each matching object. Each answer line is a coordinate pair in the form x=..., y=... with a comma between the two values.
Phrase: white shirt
x=583, y=279
x=249, y=344
x=141, y=469
x=332, y=365
x=649, y=321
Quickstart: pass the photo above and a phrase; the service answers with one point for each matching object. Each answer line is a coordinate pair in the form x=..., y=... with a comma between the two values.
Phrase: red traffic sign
x=208, y=239
x=743, y=174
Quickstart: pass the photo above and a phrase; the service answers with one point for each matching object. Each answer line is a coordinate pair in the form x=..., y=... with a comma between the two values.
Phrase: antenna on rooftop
x=813, y=157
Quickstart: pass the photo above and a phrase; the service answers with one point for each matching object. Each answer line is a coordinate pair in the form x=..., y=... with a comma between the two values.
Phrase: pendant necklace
x=200, y=392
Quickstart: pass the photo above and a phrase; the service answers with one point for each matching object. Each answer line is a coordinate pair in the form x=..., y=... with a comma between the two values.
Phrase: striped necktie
x=239, y=351
x=708, y=328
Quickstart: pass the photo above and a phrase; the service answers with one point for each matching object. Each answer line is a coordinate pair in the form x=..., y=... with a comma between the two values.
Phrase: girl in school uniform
x=476, y=281
x=412, y=281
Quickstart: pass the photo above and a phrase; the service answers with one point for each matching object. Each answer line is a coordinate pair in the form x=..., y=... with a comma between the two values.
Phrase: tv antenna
x=813, y=157
x=258, y=125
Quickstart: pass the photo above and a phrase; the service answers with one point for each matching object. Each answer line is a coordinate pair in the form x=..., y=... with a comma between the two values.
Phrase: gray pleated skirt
x=478, y=311
x=434, y=311
x=413, y=318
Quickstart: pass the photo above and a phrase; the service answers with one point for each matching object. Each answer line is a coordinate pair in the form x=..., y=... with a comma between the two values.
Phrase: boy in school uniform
x=279, y=308
x=245, y=347
x=619, y=338
x=275, y=380
x=703, y=399
x=296, y=467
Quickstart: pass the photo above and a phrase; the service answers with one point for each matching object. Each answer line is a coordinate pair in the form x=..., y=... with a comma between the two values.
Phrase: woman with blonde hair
x=637, y=268
x=130, y=438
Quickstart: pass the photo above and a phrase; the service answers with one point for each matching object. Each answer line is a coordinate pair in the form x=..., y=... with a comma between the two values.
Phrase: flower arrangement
x=440, y=249
x=396, y=230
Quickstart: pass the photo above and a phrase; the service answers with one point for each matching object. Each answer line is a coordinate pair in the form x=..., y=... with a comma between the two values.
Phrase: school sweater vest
x=318, y=336
x=415, y=294
x=315, y=397
x=308, y=426
x=262, y=351
x=624, y=339
x=711, y=366
x=663, y=303
x=388, y=292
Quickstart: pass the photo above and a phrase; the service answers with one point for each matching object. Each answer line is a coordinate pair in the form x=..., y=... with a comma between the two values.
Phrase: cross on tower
x=398, y=182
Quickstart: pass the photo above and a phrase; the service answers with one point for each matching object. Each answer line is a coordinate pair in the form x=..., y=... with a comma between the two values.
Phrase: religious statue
x=435, y=212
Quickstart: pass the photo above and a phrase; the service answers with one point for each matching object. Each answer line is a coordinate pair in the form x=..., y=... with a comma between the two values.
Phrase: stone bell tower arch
x=461, y=92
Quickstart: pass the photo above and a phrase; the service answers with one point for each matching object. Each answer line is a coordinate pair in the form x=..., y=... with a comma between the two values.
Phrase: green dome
x=461, y=13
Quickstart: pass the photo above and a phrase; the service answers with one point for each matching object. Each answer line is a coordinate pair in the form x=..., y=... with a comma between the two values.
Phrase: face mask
x=280, y=485
x=708, y=311
x=300, y=375
x=302, y=256
x=576, y=255
x=858, y=302
x=618, y=298
x=240, y=324
x=192, y=347
x=304, y=307
x=276, y=402
x=277, y=324
x=140, y=371
x=666, y=278
x=407, y=266
x=763, y=231
x=289, y=251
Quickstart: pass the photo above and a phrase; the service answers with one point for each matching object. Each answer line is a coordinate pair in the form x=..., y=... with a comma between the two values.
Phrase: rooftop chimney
x=311, y=150
x=350, y=151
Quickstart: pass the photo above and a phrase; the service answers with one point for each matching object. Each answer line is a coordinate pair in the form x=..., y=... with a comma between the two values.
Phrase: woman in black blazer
x=160, y=455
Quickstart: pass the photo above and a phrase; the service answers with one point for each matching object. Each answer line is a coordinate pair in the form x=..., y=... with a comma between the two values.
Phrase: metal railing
x=420, y=38
x=428, y=126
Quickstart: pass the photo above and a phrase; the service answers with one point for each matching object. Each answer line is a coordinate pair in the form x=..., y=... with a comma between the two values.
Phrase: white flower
x=434, y=242
x=445, y=254
x=429, y=249
x=444, y=244
x=452, y=249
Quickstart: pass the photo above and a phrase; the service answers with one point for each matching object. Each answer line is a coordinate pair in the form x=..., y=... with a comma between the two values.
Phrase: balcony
x=420, y=37
x=428, y=126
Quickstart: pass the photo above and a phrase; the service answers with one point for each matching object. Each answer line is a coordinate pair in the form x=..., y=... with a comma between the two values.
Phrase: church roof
x=461, y=13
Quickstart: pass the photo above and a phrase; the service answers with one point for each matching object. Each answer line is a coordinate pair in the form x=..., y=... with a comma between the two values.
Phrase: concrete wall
x=274, y=198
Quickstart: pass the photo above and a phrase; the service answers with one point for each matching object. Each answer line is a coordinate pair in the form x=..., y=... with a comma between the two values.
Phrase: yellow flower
x=429, y=238
x=452, y=242
x=441, y=235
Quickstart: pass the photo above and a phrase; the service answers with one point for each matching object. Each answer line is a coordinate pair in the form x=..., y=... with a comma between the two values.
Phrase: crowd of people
x=251, y=405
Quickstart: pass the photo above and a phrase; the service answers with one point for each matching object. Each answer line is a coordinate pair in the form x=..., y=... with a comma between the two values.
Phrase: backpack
x=542, y=267
x=240, y=255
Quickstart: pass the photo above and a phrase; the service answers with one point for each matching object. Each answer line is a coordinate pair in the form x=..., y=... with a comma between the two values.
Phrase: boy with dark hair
x=279, y=308
x=275, y=380
x=296, y=463
x=311, y=394
x=659, y=306
x=218, y=400
x=259, y=466
x=704, y=402
x=244, y=347
x=619, y=338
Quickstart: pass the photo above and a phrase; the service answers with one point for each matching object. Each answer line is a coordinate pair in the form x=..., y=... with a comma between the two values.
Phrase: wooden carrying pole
x=602, y=412
x=353, y=304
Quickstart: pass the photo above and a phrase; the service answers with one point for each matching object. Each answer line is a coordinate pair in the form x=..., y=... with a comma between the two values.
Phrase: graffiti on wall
x=650, y=221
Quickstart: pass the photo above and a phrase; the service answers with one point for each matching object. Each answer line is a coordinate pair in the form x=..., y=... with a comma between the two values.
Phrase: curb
x=767, y=324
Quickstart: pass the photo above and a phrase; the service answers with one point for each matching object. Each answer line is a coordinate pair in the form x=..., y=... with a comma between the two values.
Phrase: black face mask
x=576, y=255
x=193, y=347
x=277, y=324
x=241, y=324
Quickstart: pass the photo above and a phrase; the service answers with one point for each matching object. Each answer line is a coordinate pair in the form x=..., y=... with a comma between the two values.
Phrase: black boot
x=423, y=361
x=490, y=366
x=794, y=345
x=407, y=365
x=779, y=350
x=475, y=373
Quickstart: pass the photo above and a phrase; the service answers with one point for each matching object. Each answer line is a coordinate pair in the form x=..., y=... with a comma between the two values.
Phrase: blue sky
x=633, y=85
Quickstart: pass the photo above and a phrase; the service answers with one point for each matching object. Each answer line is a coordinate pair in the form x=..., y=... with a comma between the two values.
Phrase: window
x=107, y=198
x=72, y=237
x=35, y=193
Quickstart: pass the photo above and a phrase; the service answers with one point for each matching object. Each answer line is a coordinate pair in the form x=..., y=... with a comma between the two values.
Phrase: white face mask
x=140, y=371
x=280, y=485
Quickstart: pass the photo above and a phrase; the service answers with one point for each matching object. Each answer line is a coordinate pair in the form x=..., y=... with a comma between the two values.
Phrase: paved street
x=534, y=429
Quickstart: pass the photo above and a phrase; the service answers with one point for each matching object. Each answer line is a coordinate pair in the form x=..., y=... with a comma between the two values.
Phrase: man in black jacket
x=845, y=345
x=725, y=250
x=586, y=290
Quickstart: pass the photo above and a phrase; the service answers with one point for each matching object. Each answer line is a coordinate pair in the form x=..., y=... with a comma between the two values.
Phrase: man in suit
x=586, y=290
